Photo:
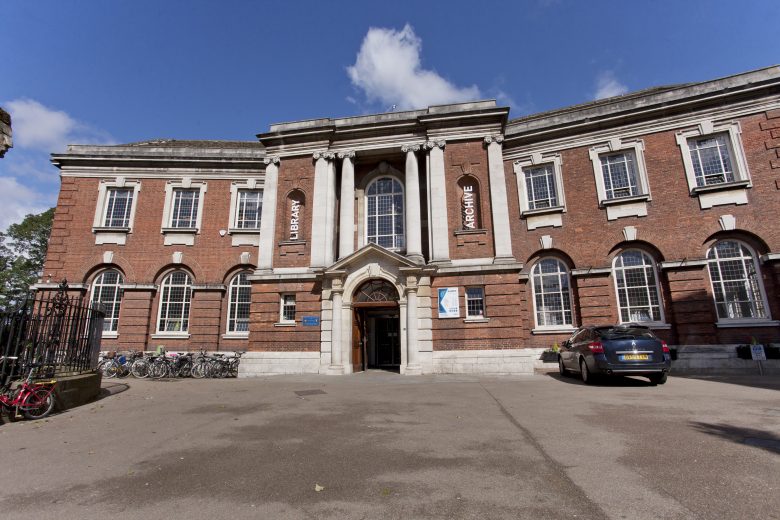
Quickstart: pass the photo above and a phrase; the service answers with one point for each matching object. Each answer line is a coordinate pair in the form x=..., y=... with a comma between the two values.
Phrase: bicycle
x=33, y=399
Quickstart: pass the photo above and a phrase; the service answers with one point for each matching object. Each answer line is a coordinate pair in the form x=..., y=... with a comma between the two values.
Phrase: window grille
x=540, y=187
x=288, y=308
x=711, y=159
x=119, y=202
x=107, y=294
x=239, y=300
x=175, y=300
x=475, y=302
x=385, y=221
x=736, y=284
x=552, y=295
x=637, y=287
x=620, y=178
x=185, y=208
x=248, y=209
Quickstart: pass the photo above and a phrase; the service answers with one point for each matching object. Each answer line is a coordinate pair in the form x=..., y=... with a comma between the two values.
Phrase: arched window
x=107, y=294
x=470, y=214
x=552, y=295
x=385, y=213
x=636, y=284
x=239, y=299
x=736, y=284
x=296, y=204
x=175, y=299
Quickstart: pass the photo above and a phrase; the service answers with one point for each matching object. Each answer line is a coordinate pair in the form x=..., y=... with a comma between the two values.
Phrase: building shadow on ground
x=763, y=439
x=108, y=389
x=768, y=382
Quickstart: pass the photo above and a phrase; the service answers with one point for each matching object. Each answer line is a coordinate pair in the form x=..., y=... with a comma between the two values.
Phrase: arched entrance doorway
x=376, y=327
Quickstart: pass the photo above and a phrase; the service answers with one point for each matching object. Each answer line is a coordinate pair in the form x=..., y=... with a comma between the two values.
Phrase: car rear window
x=624, y=332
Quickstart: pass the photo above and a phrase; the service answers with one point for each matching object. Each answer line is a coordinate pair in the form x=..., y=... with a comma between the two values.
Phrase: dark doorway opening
x=376, y=332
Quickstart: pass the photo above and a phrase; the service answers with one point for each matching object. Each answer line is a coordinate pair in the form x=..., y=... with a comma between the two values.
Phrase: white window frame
x=564, y=327
x=282, y=299
x=113, y=320
x=367, y=216
x=726, y=322
x=723, y=193
x=537, y=161
x=235, y=188
x=185, y=183
x=174, y=333
x=654, y=265
x=466, y=299
x=635, y=205
x=233, y=305
x=113, y=235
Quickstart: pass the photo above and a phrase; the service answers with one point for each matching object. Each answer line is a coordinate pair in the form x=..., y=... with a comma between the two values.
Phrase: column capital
x=346, y=154
x=435, y=143
x=498, y=138
x=412, y=147
x=324, y=154
x=271, y=159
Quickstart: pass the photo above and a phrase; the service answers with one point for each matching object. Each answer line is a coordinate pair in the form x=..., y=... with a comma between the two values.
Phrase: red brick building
x=448, y=239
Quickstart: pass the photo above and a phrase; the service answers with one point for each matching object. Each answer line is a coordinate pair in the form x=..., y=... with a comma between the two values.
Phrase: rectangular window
x=620, y=178
x=119, y=202
x=185, y=208
x=248, y=209
x=288, y=308
x=475, y=302
x=540, y=187
x=711, y=159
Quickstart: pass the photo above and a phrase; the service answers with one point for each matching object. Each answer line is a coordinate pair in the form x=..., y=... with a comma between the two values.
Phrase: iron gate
x=59, y=331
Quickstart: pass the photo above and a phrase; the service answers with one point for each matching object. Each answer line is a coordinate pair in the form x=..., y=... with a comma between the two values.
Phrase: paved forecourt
x=377, y=445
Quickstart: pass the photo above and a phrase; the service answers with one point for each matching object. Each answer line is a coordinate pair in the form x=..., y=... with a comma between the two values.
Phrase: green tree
x=22, y=253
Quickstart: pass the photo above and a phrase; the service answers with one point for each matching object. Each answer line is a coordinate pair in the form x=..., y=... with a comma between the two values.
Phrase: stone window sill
x=180, y=230
x=171, y=335
x=110, y=335
x=107, y=229
x=476, y=320
x=720, y=187
x=470, y=232
x=285, y=324
x=553, y=330
x=625, y=200
x=236, y=335
x=726, y=324
x=542, y=211
x=243, y=231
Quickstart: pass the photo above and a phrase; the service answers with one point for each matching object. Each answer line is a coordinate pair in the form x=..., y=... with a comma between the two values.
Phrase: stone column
x=265, y=257
x=498, y=200
x=413, y=222
x=437, y=198
x=347, y=208
x=319, y=208
x=330, y=216
x=336, y=366
x=412, y=349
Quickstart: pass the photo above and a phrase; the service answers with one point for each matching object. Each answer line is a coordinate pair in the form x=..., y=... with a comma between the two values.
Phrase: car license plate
x=634, y=357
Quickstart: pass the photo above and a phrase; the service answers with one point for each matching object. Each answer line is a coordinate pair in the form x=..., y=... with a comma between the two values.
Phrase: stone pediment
x=370, y=254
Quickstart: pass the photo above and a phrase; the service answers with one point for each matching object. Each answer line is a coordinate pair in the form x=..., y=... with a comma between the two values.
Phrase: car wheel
x=562, y=370
x=585, y=374
x=658, y=379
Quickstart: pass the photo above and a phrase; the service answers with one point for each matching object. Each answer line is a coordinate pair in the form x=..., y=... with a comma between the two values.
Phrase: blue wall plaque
x=311, y=321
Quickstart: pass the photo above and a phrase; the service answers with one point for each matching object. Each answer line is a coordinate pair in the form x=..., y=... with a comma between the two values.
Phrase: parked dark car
x=620, y=350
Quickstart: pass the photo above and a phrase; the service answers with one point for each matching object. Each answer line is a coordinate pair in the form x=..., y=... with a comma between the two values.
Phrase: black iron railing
x=60, y=331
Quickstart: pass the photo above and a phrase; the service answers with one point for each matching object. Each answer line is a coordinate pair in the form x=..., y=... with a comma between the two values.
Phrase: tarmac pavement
x=380, y=445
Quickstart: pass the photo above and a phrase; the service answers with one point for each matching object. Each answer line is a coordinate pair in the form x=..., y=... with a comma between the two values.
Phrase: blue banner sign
x=311, y=321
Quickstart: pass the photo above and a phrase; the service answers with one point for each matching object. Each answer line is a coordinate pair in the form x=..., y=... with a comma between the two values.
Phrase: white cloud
x=607, y=86
x=388, y=71
x=17, y=200
x=38, y=127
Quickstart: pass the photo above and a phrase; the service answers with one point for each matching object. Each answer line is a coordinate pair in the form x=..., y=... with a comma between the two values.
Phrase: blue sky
x=129, y=70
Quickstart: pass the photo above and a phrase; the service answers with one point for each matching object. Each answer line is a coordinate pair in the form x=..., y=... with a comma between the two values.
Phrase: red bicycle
x=33, y=399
